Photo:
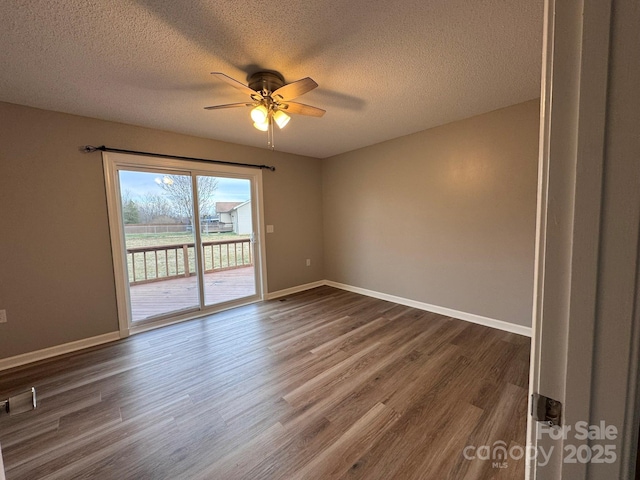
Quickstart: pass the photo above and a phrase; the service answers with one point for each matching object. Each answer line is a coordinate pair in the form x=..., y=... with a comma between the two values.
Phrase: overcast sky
x=139, y=183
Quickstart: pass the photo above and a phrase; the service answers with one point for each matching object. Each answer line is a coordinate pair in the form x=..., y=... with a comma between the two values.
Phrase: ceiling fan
x=271, y=100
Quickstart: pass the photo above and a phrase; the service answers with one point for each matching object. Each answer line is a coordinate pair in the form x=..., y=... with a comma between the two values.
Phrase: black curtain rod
x=91, y=148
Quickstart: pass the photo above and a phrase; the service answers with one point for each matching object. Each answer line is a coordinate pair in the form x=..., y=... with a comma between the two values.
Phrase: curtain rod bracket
x=102, y=148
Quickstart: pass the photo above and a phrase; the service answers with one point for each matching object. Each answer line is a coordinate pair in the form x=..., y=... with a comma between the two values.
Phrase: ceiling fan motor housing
x=269, y=81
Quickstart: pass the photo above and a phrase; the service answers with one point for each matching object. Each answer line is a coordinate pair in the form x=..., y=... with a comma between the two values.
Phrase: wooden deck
x=158, y=298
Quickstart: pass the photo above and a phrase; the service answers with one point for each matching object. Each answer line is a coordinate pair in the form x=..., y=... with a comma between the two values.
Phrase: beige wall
x=444, y=216
x=56, y=274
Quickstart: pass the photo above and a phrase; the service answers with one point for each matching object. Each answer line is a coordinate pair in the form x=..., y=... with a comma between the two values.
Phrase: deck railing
x=162, y=262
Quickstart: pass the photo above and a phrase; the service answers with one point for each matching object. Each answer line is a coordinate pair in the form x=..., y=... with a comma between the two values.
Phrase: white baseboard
x=38, y=355
x=449, y=312
x=469, y=317
x=292, y=290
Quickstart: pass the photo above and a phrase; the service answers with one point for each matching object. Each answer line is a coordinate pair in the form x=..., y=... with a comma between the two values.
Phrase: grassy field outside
x=156, y=239
x=171, y=262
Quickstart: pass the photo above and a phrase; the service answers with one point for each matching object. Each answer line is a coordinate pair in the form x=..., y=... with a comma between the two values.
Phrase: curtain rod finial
x=91, y=148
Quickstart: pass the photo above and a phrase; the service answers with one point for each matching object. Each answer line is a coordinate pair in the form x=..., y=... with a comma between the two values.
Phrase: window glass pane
x=157, y=217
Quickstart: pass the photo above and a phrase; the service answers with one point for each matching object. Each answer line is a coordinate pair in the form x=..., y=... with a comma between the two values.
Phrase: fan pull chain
x=270, y=132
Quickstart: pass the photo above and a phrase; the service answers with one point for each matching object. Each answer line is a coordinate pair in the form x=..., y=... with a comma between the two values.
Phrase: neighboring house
x=241, y=218
x=236, y=213
x=224, y=209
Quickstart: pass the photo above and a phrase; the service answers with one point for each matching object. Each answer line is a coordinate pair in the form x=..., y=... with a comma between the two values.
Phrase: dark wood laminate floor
x=325, y=384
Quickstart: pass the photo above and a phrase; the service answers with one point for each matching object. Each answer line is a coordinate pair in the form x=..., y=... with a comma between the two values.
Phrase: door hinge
x=545, y=409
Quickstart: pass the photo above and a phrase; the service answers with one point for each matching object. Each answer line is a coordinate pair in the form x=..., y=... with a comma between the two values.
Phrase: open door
x=584, y=367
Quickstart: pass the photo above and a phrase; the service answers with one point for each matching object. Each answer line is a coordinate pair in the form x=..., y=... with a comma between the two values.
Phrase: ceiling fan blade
x=302, y=109
x=235, y=83
x=229, y=105
x=295, y=89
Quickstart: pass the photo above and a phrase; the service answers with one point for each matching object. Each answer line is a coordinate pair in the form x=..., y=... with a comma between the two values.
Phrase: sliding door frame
x=112, y=164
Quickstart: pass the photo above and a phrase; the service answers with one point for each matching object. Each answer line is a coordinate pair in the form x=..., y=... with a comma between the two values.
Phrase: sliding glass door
x=226, y=239
x=184, y=238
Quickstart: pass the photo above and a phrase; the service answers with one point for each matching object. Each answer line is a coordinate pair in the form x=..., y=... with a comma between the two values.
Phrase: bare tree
x=207, y=187
x=178, y=190
x=155, y=208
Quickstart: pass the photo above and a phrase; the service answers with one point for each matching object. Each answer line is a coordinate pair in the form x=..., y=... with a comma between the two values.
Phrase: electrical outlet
x=3, y=316
x=308, y=262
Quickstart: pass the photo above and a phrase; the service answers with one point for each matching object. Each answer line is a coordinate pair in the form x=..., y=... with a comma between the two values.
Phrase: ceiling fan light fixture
x=281, y=118
x=270, y=97
x=259, y=114
x=262, y=126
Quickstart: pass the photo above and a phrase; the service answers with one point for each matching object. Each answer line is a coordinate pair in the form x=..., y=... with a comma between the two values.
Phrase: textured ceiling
x=385, y=69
